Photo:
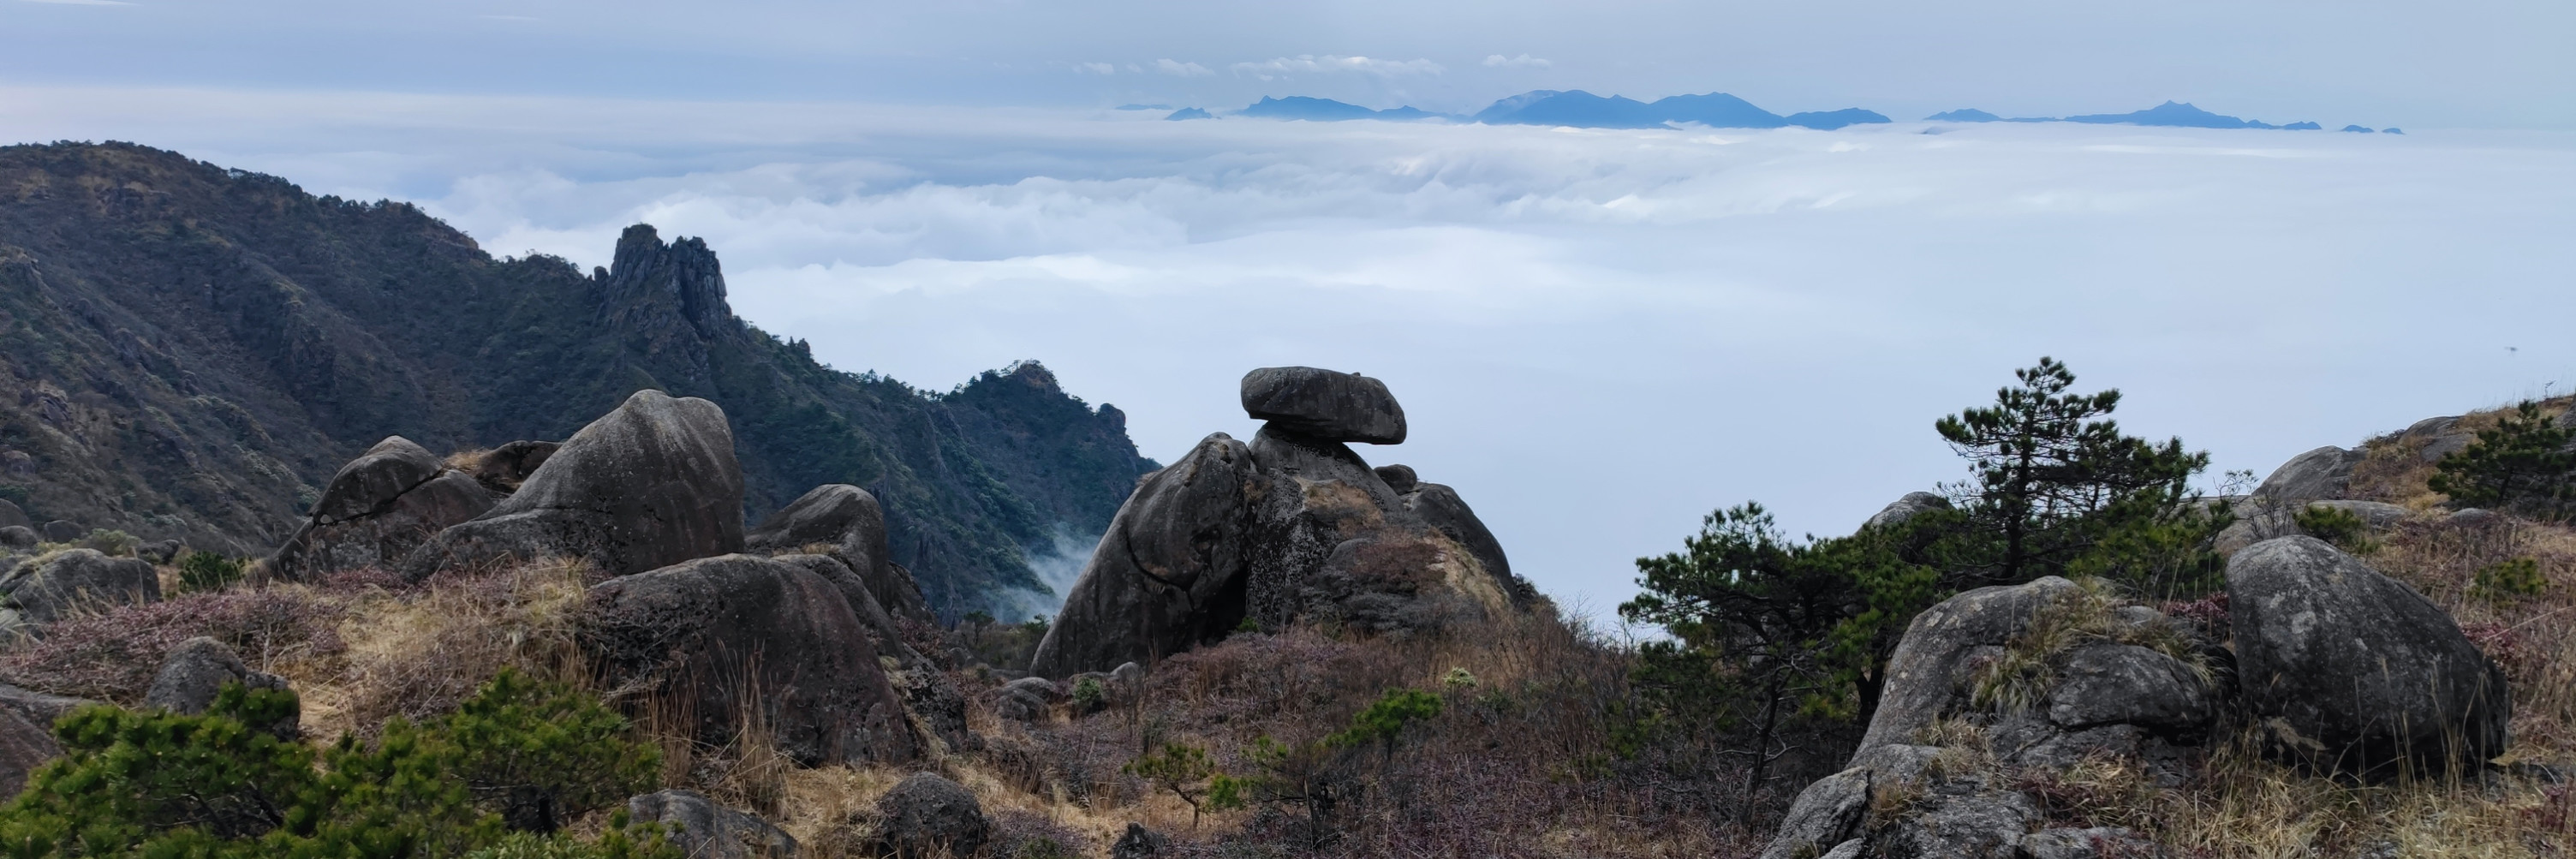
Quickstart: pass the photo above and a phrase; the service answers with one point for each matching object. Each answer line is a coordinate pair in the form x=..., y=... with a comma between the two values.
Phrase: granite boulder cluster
x=1292, y=527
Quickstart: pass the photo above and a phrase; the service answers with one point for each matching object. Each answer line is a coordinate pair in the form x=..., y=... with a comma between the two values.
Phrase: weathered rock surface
x=19, y=537
x=1957, y=821
x=38, y=707
x=849, y=521
x=41, y=590
x=198, y=669
x=387, y=470
x=711, y=831
x=1826, y=814
x=1399, y=478
x=725, y=636
x=159, y=551
x=377, y=510
x=2354, y=670
x=1324, y=404
x=25, y=744
x=1169, y=573
x=504, y=468
x=1899, y=510
x=2092, y=843
x=2316, y=475
x=2107, y=684
x=1927, y=677
x=2377, y=516
x=650, y=484
x=1440, y=507
x=1138, y=843
x=10, y=515
x=62, y=531
x=929, y=816
x=1024, y=700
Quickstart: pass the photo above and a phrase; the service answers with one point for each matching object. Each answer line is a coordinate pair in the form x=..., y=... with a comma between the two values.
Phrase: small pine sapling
x=1186, y=771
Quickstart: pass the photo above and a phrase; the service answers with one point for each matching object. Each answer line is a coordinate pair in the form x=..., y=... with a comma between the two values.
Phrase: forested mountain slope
x=189, y=351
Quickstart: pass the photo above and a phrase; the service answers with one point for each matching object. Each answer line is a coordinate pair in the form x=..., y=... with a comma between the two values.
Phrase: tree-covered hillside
x=188, y=351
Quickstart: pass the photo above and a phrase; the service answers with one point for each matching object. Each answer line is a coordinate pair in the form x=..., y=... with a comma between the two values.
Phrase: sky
x=1599, y=336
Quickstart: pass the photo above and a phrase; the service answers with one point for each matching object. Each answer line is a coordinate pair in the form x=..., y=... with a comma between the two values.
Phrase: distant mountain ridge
x=189, y=352
x=1580, y=109
x=1574, y=108
x=2171, y=114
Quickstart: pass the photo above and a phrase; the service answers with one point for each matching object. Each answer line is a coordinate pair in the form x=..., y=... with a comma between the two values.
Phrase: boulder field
x=1293, y=526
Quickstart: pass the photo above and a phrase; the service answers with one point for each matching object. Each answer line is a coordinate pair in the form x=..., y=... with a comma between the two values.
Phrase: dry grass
x=418, y=652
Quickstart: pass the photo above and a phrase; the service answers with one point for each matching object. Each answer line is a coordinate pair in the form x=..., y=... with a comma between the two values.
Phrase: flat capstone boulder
x=1324, y=404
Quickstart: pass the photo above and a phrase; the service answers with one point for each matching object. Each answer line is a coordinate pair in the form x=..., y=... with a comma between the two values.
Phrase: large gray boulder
x=384, y=472
x=2316, y=475
x=43, y=589
x=1928, y=676
x=1827, y=813
x=199, y=668
x=62, y=531
x=1169, y=573
x=1960, y=821
x=1898, y=511
x=737, y=636
x=2355, y=670
x=710, y=831
x=377, y=510
x=1324, y=404
x=10, y=515
x=19, y=537
x=1439, y=507
x=651, y=484
x=928, y=816
x=848, y=523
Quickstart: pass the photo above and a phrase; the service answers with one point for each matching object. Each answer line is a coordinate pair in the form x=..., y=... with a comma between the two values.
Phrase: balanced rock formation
x=725, y=638
x=42, y=589
x=376, y=510
x=648, y=485
x=1293, y=526
x=1324, y=404
x=2355, y=671
x=1169, y=574
x=704, y=830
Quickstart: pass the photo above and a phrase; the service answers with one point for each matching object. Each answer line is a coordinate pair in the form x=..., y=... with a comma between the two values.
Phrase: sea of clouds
x=1599, y=336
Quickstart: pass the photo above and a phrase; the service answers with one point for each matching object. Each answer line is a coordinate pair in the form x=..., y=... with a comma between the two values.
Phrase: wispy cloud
x=1524, y=60
x=1313, y=64
x=1181, y=69
x=1095, y=68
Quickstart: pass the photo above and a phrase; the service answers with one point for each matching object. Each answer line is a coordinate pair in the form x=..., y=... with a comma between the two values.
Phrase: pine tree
x=2524, y=463
x=2052, y=476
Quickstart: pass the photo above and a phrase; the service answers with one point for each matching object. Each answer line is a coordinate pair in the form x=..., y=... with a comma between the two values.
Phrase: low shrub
x=158, y=783
x=208, y=571
x=2344, y=528
x=2509, y=580
x=113, y=655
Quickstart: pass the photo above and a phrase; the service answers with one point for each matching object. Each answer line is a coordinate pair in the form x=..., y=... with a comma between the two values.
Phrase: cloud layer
x=1599, y=335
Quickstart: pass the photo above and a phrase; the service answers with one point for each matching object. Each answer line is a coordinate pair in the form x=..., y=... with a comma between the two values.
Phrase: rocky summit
x=1292, y=528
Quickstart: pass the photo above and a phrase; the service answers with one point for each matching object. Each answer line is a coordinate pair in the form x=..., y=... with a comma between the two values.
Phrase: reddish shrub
x=112, y=656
